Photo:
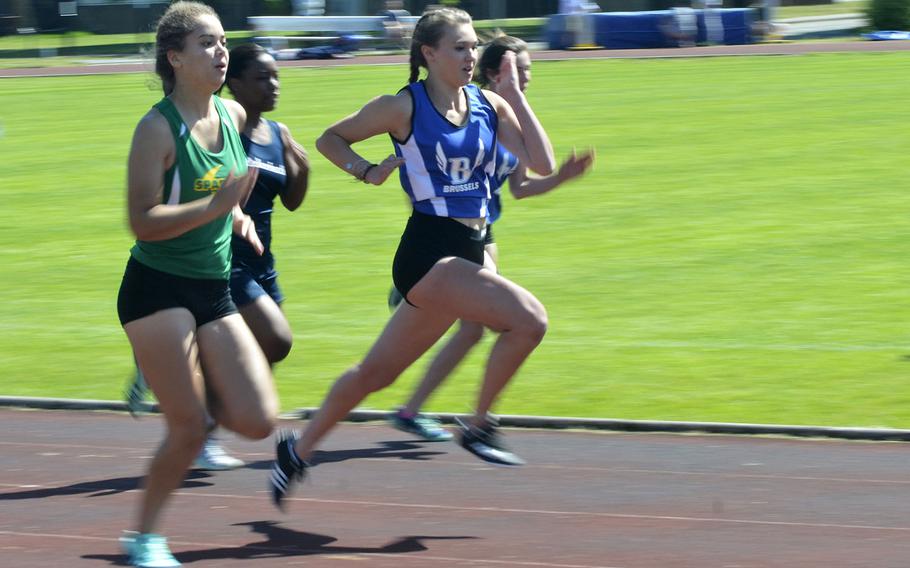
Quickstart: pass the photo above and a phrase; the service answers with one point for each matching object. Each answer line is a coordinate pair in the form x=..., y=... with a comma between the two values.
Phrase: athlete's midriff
x=476, y=223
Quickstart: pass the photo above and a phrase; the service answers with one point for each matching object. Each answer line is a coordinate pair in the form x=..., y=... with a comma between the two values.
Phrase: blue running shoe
x=147, y=550
x=428, y=428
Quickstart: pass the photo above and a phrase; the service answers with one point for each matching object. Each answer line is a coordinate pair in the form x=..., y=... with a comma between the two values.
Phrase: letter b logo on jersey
x=460, y=170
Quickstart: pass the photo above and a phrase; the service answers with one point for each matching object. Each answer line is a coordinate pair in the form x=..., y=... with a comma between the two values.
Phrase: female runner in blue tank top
x=444, y=131
x=507, y=168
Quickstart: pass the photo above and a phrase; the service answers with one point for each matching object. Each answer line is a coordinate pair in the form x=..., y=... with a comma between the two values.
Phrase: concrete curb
x=546, y=422
x=70, y=404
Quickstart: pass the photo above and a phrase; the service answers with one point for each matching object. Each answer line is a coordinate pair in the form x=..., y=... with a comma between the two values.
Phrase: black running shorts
x=425, y=240
x=145, y=290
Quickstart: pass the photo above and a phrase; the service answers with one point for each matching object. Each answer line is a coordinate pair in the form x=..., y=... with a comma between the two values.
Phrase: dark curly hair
x=177, y=22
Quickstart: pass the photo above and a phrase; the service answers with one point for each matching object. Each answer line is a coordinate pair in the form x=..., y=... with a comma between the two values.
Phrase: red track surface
x=68, y=486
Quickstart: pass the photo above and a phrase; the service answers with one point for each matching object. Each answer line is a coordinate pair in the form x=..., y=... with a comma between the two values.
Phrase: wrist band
x=353, y=167
x=363, y=177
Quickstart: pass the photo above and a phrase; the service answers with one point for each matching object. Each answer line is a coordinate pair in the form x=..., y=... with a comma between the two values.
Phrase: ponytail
x=416, y=60
x=429, y=30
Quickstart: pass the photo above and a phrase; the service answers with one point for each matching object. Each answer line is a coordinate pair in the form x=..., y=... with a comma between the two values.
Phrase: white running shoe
x=147, y=550
x=214, y=458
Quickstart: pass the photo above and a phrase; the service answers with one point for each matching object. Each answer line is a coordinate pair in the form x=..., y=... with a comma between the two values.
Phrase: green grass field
x=739, y=254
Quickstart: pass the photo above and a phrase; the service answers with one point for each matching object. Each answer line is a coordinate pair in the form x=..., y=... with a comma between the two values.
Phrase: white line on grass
x=105, y=331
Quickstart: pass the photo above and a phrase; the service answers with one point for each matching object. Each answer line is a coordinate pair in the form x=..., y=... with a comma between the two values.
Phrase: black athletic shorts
x=488, y=237
x=425, y=240
x=145, y=290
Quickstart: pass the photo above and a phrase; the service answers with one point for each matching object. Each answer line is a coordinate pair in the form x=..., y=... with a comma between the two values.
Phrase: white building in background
x=308, y=7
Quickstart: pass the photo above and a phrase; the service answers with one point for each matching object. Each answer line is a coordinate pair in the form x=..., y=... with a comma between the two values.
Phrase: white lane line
x=556, y=467
x=510, y=511
x=768, y=476
x=470, y=561
x=70, y=446
x=329, y=553
x=505, y=510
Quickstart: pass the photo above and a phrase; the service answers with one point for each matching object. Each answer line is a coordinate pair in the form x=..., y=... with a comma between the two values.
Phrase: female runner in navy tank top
x=283, y=165
x=445, y=132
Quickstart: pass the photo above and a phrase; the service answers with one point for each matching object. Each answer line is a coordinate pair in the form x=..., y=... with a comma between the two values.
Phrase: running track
x=376, y=498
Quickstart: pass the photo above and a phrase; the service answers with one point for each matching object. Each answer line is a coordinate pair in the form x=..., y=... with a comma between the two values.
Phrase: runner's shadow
x=285, y=543
x=401, y=450
x=100, y=488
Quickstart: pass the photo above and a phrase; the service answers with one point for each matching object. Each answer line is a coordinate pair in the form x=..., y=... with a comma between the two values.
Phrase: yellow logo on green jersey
x=209, y=182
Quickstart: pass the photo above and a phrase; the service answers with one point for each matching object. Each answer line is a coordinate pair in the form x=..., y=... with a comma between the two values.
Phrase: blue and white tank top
x=447, y=168
x=271, y=183
x=506, y=164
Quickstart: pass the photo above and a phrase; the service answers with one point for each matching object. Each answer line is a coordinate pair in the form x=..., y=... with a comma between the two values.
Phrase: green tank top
x=203, y=252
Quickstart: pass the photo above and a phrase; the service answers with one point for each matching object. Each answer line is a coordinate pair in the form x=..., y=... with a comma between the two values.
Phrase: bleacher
x=361, y=31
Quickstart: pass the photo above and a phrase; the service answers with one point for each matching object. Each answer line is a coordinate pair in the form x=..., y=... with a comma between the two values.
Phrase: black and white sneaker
x=486, y=443
x=287, y=469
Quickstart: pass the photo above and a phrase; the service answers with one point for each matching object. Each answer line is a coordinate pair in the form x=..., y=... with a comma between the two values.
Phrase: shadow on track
x=281, y=542
x=386, y=450
x=100, y=488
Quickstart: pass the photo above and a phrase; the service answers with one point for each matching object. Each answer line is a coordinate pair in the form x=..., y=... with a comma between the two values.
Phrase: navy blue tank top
x=271, y=182
x=506, y=164
x=448, y=167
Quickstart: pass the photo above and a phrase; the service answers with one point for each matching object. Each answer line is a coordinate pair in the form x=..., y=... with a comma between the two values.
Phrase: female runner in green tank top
x=187, y=176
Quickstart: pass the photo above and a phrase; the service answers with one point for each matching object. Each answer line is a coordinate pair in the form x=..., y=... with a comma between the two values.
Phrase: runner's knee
x=533, y=322
x=471, y=331
x=277, y=347
x=188, y=431
x=258, y=427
